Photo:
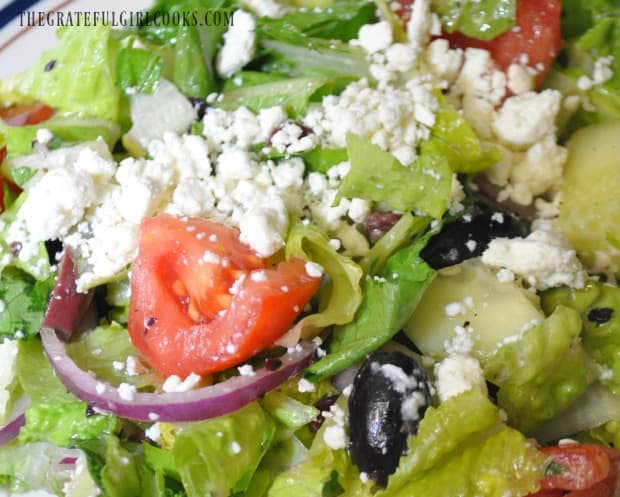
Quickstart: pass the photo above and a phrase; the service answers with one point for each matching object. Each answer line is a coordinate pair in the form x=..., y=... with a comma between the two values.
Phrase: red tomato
x=583, y=465
x=536, y=35
x=195, y=306
x=22, y=114
x=2, y=154
x=548, y=492
x=607, y=486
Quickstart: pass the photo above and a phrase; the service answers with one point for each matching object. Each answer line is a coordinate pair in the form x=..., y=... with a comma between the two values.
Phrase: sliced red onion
x=67, y=307
x=194, y=405
x=17, y=419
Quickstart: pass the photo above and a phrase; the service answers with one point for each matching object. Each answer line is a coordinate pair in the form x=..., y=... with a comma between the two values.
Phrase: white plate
x=22, y=45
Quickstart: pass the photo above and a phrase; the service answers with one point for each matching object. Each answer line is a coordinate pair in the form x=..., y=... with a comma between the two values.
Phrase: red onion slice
x=17, y=419
x=67, y=307
x=194, y=405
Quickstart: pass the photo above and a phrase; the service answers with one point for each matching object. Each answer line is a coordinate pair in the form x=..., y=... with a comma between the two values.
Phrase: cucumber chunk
x=469, y=295
x=590, y=209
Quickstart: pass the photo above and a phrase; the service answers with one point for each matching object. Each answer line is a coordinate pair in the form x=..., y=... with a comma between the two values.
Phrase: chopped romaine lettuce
x=341, y=295
x=377, y=175
x=388, y=300
x=599, y=307
x=81, y=81
x=219, y=456
x=137, y=70
x=542, y=372
x=481, y=19
x=463, y=448
x=67, y=130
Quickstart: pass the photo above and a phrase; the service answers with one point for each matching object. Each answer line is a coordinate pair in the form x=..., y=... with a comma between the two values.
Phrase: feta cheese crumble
x=544, y=259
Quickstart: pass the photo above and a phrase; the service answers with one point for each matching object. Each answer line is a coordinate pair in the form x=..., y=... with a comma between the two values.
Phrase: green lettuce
x=388, y=300
x=481, y=19
x=137, y=70
x=341, y=295
x=35, y=466
x=293, y=94
x=464, y=448
x=592, y=30
x=219, y=457
x=601, y=340
x=62, y=423
x=377, y=175
x=341, y=21
x=189, y=48
x=105, y=351
x=81, y=80
x=323, y=472
x=541, y=373
x=67, y=131
x=453, y=138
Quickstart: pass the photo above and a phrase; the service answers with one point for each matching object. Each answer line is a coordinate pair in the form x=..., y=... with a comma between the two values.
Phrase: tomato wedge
x=536, y=36
x=202, y=301
x=585, y=470
x=23, y=114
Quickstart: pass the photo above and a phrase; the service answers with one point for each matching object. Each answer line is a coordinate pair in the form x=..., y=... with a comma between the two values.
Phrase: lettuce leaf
x=463, y=448
x=137, y=70
x=105, y=351
x=218, y=457
x=341, y=295
x=35, y=466
x=293, y=94
x=67, y=130
x=82, y=78
x=36, y=376
x=388, y=300
x=481, y=19
x=62, y=423
x=541, y=373
x=453, y=138
x=377, y=175
x=600, y=337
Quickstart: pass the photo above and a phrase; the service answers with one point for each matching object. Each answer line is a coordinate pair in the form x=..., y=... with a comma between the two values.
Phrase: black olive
x=468, y=237
x=600, y=315
x=390, y=395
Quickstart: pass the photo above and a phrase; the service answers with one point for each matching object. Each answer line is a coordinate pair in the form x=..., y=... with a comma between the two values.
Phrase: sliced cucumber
x=470, y=295
x=590, y=209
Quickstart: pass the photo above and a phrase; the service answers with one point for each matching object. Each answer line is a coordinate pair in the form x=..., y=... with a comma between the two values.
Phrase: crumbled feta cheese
x=126, y=391
x=313, y=269
x=457, y=374
x=174, y=383
x=375, y=37
x=239, y=44
x=44, y=136
x=544, y=259
x=246, y=370
x=304, y=385
x=527, y=118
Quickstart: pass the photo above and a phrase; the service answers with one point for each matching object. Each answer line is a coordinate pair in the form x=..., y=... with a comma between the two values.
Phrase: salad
x=316, y=248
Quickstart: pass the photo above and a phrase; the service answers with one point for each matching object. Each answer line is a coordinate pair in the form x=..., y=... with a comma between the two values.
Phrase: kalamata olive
x=378, y=223
x=468, y=237
x=390, y=395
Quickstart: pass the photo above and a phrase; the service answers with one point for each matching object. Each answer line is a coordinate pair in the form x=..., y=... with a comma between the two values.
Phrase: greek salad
x=318, y=248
